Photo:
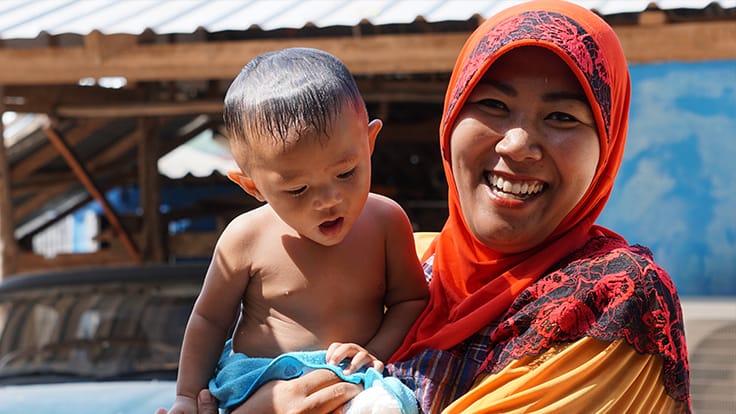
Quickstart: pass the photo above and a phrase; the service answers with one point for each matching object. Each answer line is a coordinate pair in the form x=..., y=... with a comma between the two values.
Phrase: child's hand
x=182, y=405
x=359, y=357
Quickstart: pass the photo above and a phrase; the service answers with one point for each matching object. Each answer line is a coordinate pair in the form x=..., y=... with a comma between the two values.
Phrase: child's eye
x=298, y=191
x=346, y=174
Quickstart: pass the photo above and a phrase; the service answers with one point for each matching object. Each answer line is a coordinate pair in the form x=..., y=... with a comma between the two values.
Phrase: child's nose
x=327, y=197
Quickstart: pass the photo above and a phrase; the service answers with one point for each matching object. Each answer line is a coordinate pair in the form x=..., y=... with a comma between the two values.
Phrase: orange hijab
x=473, y=285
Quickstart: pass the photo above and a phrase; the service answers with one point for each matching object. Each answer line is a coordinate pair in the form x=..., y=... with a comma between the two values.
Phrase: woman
x=532, y=304
x=533, y=308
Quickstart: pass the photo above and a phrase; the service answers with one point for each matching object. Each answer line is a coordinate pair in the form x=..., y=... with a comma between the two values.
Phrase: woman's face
x=524, y=150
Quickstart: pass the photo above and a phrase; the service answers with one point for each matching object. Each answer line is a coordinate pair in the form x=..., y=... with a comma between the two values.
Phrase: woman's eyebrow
x=501, y=86
x=565, y=96
x=547, y=97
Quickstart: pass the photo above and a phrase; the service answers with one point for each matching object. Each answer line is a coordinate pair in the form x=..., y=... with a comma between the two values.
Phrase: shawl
x=473, y=285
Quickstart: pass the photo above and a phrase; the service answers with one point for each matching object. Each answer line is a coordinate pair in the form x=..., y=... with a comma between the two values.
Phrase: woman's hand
x=317, y=392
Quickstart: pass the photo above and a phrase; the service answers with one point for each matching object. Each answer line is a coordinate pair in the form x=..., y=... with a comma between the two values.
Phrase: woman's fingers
x=317, y=392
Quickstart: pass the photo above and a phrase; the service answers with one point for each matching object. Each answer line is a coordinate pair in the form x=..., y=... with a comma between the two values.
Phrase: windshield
x=113, y=331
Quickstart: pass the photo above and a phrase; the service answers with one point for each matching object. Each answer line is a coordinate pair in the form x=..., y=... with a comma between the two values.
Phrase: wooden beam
x=410, y=53
x=41, y=157
x=366, y=55
x=91, y=187
x=8, y=246
x=152, y=240
x=654, y=42
x=46, y=98
x=141, y=109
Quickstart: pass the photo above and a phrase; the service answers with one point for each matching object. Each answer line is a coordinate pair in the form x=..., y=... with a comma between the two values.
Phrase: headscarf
x=473, y=285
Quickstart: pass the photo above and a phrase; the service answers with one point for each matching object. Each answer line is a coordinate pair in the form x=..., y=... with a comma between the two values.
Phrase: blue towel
x=237, y=376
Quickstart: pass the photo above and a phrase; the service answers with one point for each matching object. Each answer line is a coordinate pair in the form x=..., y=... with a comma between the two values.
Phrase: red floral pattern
x=601, y=293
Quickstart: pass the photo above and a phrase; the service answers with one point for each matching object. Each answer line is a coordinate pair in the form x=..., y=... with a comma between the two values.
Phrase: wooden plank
x=41, y=157
x=8, y=246
x=410, y=53
x=140, y=109
x=366, y=55
x=193, y=244
x=679, y=41
x=84, y=177
x=30, y=262
x=152, y=240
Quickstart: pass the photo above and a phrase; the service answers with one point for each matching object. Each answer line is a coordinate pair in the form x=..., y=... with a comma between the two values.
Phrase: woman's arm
x=587, y=376
x=317, y=392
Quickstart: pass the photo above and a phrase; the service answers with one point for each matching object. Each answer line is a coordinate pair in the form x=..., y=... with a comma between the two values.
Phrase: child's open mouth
x=331, y=227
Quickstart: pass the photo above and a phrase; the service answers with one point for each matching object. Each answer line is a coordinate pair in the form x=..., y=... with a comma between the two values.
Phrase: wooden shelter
x=93, y=138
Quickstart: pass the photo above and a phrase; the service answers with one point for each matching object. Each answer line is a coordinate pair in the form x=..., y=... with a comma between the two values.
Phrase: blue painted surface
x=676, y=191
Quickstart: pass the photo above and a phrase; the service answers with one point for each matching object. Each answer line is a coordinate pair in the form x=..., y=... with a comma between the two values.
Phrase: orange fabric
x=588, y=376
x=473, y=285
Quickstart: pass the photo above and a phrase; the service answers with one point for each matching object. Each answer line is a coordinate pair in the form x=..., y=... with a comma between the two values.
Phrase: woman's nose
x=519, y=144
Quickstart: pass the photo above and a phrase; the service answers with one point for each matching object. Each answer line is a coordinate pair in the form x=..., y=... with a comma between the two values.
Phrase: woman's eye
x=346, y=174
x=562, y=117
x=492, y=103
x=298, y=191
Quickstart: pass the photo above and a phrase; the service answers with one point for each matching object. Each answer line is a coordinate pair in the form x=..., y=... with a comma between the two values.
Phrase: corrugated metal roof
x=23, y=19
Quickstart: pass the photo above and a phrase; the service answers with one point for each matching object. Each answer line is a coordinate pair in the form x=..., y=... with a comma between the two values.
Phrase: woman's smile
x=513, y=189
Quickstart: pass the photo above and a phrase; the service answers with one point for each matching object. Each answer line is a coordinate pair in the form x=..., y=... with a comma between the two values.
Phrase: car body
x=102, y=340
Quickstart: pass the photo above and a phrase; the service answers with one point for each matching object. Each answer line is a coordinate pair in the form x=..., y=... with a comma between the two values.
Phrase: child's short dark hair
x=287, y=93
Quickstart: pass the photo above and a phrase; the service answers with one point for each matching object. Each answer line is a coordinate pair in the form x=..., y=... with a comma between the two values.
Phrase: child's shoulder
x=380, y=204
x=383, y=212
x=250, y=224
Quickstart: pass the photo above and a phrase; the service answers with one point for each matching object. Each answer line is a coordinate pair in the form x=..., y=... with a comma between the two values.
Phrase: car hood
x=122, y=397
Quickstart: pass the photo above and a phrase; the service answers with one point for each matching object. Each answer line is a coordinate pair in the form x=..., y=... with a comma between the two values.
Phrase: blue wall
x=676, y=192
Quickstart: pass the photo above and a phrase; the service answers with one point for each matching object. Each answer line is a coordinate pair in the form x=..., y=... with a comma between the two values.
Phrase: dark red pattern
x=550, y=27
x=608, y=291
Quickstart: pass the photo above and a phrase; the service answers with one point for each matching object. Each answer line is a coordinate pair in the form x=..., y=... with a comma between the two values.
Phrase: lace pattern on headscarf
x=550, y=27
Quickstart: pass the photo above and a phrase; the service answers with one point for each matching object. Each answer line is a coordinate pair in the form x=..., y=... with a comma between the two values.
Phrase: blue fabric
x=237, y=376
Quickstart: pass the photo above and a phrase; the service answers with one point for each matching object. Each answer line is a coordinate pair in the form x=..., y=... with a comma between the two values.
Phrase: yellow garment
x=588, y=376
x=422, y=241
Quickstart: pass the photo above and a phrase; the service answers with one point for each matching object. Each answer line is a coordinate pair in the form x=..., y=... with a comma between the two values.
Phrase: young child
x=324, y=264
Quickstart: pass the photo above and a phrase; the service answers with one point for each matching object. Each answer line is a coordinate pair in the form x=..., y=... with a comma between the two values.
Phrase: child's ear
x=374, y=127
x=246, y=184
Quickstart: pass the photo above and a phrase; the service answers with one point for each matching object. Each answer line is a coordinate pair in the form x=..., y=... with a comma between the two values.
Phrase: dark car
x=102, y=340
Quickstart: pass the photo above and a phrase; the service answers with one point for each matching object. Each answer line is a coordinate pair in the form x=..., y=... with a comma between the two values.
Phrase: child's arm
x=406, y=287
x=211, y=319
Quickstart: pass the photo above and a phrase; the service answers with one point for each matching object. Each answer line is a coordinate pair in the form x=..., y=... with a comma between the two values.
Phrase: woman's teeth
x=518, y=189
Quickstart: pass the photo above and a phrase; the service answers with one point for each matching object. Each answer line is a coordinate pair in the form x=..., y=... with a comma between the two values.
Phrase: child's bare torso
x=304, y=296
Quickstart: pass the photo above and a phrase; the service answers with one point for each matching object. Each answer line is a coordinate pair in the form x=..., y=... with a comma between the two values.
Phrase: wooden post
x=152, y=234
x=83, y=175
x=8, y=245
